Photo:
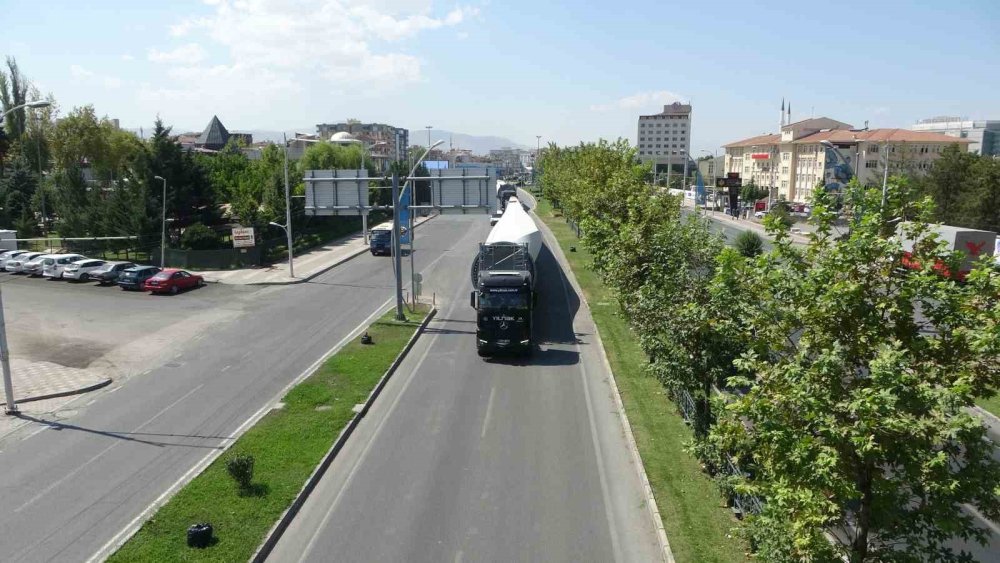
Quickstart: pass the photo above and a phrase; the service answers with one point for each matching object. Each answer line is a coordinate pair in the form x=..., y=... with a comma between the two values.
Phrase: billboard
x=243, y=237
x=836, y=170
x=464, y=190
x=332, y=192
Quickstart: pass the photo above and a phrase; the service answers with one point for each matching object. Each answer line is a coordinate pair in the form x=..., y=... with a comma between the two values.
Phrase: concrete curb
x=983, y=413
x=654, y=511
x=322, y=270
x=267, y=546
x=132, y=527
x=102, y=383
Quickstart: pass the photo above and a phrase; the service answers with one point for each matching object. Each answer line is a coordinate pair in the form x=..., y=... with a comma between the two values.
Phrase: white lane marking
x=62, y=480
x=118, y=539
x=615, y=542
x=225, y=368
x=371, y=441
x=489, y=411
x=364, y=451
x=986, y=521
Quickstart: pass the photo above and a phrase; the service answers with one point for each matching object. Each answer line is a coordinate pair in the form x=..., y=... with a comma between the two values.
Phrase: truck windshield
x=503, y=301
x=381, y=235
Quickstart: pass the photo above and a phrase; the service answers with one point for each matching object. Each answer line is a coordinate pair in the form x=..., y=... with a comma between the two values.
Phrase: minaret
x=781, y=122
x=789, y=113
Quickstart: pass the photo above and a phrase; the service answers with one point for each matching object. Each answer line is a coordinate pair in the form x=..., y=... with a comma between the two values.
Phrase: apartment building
x=823, y=150
x=385, y=141
x=665, y=138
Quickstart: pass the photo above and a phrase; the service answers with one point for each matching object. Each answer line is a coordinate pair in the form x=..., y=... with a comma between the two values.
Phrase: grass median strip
x=287, y=444
x=698, y=525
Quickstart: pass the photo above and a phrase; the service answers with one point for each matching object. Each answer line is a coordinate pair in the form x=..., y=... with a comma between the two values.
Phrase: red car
x=172, y=281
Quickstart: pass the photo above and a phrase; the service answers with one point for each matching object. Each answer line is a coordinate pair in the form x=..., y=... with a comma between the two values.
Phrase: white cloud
x=190, y=53
x=127, y=57
x=248, y=55
x=77, y=71
x=88, y=76
x=462, y=35
x=640, y=100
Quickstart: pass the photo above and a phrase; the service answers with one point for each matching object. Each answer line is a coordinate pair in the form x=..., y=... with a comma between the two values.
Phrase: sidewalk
x=801, y=237
x=35, y=381
x=307, y=265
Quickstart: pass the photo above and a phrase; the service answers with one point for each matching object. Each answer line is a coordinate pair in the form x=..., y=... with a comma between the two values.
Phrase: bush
x=749, y=244
x=240, y=468
x=200, y=237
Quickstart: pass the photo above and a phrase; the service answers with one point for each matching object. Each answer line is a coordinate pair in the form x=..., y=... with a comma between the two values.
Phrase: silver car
x=16, y=265
x=82, y=270
x=8, y=255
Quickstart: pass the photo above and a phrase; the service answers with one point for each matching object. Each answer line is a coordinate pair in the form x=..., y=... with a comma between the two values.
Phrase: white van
x=54, y=267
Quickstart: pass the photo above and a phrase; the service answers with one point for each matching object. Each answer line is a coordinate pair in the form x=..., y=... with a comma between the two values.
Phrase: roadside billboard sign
x=331, y=192
x=243, y=237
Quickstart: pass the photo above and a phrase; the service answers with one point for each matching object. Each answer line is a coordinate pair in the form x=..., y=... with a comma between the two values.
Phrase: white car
x=8, y=255
x=760, y=214
x=82, y=270
x=16, y=264
x=54, y=266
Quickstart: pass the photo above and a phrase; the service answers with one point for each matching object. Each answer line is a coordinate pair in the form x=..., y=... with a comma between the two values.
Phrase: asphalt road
x=463, y=458
x=71, y=481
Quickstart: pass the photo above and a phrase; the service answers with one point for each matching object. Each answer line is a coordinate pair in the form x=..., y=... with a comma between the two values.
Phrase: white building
x=793, y=163
x=665, y=138
x=983, y=136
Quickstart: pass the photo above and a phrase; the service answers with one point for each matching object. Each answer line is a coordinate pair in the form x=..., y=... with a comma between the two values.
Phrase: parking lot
x=83, y=325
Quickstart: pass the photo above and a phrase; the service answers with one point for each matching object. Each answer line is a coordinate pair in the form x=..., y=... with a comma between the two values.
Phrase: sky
x=569, y=72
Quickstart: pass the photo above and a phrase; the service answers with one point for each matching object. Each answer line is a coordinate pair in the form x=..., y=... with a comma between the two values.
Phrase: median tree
x=856, y=425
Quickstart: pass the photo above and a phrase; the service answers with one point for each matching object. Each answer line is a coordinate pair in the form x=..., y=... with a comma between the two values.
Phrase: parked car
x=134, y=278
x=759, y=214
x=110, y=271
x=8, y=255
x=36, y=265
x=16, y=264
x=82, y=270
x=54, y=268
x=172, y=281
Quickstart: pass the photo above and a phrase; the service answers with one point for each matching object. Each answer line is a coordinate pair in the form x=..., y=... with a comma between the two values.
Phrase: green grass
x=287, y=444
x=698, y=525
x=992, y=404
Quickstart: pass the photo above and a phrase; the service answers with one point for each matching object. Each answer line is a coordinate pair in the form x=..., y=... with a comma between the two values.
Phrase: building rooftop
x=215, y=136
x=880, y=136
x=768, y=139
x=850, y=136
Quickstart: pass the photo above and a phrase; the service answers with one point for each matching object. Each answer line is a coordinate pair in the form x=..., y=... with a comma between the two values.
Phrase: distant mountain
x=478, y=144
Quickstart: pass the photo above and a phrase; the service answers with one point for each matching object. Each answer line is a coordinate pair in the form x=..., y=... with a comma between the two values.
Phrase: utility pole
x=163, y=232
x=395, y=247
x=288, y=213
x=8, y=384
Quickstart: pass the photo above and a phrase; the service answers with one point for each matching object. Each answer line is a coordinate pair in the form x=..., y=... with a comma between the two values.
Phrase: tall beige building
x=823, y=150
x=665, y=137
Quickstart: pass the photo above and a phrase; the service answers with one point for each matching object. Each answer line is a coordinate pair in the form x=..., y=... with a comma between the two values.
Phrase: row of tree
x=81, y=176
x=836, y=381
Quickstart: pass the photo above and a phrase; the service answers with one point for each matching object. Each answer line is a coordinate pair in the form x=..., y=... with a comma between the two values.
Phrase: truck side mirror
x=472, y=299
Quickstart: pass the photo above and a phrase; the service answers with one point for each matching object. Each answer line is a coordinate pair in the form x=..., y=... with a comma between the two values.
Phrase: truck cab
x=380, y=239
x=503, y=303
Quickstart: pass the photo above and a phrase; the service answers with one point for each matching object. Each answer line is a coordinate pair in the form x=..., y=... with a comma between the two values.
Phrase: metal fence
x=742, y=504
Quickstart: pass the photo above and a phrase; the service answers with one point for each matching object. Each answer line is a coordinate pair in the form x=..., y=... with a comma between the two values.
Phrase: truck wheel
x=482, y=352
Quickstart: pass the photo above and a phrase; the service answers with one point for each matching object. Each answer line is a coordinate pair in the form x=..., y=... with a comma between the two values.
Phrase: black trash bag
x=199, y=535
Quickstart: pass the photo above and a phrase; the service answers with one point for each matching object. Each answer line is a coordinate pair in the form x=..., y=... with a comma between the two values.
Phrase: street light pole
x=885, y=178
x=288, y=213
x=8, y=383
x=163, y=231
x=397, y=200
x=428, y=127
